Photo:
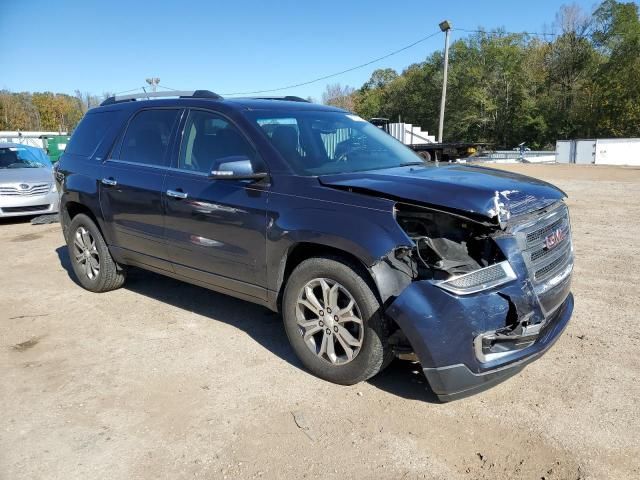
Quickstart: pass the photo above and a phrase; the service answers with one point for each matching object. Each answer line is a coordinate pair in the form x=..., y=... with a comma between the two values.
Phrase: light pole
x=153, y=81
x=445, y=26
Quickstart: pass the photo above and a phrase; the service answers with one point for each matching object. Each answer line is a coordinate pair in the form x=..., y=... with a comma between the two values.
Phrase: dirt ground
x=166, y=380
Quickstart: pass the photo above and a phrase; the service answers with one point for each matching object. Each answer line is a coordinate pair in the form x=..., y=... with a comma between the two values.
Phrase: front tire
x=90, y=258
x=334, y=322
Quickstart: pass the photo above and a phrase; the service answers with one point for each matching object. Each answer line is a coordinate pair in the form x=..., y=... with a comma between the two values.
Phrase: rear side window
x=90, y=132
x=147, y=137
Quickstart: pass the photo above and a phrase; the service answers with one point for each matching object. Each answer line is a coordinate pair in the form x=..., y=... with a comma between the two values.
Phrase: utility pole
x=153, y=81
x=445, y=26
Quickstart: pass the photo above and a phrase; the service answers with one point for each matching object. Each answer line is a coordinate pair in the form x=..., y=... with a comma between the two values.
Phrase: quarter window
x=209, y=140
x=90, y=132
x=147, y=138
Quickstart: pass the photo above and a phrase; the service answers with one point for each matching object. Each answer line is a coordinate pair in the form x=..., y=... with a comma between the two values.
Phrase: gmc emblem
x=554, y=238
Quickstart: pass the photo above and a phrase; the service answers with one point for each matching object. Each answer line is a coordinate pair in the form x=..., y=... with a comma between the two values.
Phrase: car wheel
x=425, y=155
x=334, y=323
x=92, y=263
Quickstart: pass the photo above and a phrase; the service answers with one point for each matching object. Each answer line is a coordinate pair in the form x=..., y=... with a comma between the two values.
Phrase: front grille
x=550, y=267
x=30, y=191
x=547, y=257
x=542, y=251
x=538, y=235
x=30, y=208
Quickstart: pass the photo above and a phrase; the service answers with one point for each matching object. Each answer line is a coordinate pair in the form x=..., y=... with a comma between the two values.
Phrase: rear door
x=132, y=182
x=216, y=228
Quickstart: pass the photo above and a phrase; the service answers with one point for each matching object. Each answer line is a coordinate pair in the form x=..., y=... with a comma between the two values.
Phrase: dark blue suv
x=367, y=251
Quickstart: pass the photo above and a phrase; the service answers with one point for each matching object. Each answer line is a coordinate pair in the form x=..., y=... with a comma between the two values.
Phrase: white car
x=27, y=185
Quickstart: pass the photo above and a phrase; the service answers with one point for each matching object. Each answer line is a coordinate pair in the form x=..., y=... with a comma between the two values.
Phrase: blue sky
x=232, y=46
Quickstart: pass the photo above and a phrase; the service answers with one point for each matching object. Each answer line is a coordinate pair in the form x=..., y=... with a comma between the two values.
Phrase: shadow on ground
x=15, y=220
x=401, y=378
x=405, y=379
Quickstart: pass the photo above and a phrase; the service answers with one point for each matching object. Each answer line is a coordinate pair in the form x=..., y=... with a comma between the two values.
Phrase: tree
x=58, y=112
x=381, y=78
x=86, y=100
x=339, y=96
x=580, y=82
x=504, y=89
x=617, y=88
x=569, y=64
x=17, y=112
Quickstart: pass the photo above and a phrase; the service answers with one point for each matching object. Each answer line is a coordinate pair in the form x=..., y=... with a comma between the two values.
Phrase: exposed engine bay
x=445, y=244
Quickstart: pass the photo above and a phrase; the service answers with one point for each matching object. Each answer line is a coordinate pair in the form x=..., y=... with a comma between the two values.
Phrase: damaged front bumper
x=466, y=344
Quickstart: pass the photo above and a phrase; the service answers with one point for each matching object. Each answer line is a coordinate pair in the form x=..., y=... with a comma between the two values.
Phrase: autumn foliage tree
x=338, y=96
x=39, y=111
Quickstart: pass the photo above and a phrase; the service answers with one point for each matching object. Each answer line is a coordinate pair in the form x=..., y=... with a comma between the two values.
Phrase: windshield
x=20, y=157
x=319, y=143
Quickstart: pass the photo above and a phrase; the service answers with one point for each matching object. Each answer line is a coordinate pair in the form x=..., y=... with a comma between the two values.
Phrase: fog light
x=479, y=280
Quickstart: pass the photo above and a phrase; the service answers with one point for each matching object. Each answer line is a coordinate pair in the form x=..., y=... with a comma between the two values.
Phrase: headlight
x=54, y=189
x=478, y=280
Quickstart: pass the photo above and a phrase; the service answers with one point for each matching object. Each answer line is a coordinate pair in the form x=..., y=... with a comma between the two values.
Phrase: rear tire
x=426, y=156
x=90, y=258
x=335, y=340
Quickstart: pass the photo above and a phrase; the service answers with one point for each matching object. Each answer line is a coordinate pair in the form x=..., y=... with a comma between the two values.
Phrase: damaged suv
x=367, y=251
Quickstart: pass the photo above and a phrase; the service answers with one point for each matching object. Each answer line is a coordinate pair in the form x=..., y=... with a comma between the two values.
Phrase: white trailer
x=33, y=139
x=601, y=151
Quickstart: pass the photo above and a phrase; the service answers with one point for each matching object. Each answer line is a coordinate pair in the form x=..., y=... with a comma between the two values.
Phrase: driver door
x=215, y=229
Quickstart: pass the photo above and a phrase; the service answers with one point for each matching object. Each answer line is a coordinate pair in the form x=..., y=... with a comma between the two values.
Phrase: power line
x=325, y=77
x=127, y=91
x=395, y=52
x=169, y=88
x=498, y=32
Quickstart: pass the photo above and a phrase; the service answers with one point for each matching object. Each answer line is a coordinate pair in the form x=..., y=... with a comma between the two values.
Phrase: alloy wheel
x=86, y=253
x=330, y=321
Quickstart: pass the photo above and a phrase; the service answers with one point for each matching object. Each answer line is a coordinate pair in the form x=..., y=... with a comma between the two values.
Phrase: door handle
x=177, y=194
x=109, y=181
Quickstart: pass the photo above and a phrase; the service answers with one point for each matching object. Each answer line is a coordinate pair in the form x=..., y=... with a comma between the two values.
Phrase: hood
x=26, y=175
x=478, y=190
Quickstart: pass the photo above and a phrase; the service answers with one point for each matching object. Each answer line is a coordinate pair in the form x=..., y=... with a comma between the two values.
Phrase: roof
x=205, y=97
x=277, y=104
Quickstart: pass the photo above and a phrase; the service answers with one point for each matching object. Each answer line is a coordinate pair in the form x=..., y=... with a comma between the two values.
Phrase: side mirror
x=237, y=167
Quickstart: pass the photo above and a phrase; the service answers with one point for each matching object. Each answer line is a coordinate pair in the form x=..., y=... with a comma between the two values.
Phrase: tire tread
x=380, y=353
x=111, y=276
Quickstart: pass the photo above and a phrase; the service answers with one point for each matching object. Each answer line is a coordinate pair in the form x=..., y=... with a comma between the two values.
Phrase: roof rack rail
x=289, y=98
x=172, y=93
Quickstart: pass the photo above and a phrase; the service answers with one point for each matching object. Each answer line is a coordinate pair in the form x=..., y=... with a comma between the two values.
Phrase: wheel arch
x=302, y=251
x=72, y=208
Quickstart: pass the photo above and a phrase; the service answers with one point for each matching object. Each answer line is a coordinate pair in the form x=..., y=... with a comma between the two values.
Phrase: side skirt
x=216, y=283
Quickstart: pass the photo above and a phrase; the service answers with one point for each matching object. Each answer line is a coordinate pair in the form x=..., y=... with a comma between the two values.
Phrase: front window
x=210, y=142
x=20, y=157
x=319, y=143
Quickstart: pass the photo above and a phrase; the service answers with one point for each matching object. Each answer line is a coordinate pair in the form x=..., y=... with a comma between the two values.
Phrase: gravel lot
x=166, y=380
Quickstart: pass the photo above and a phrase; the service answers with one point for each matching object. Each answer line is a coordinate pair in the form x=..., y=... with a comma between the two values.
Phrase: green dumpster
x=55, y=145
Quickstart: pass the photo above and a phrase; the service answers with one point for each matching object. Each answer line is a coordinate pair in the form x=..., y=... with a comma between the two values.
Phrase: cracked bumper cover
x=441, y=328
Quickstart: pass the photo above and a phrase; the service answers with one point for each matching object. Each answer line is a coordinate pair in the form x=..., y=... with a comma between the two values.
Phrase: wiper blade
x=409, y=164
